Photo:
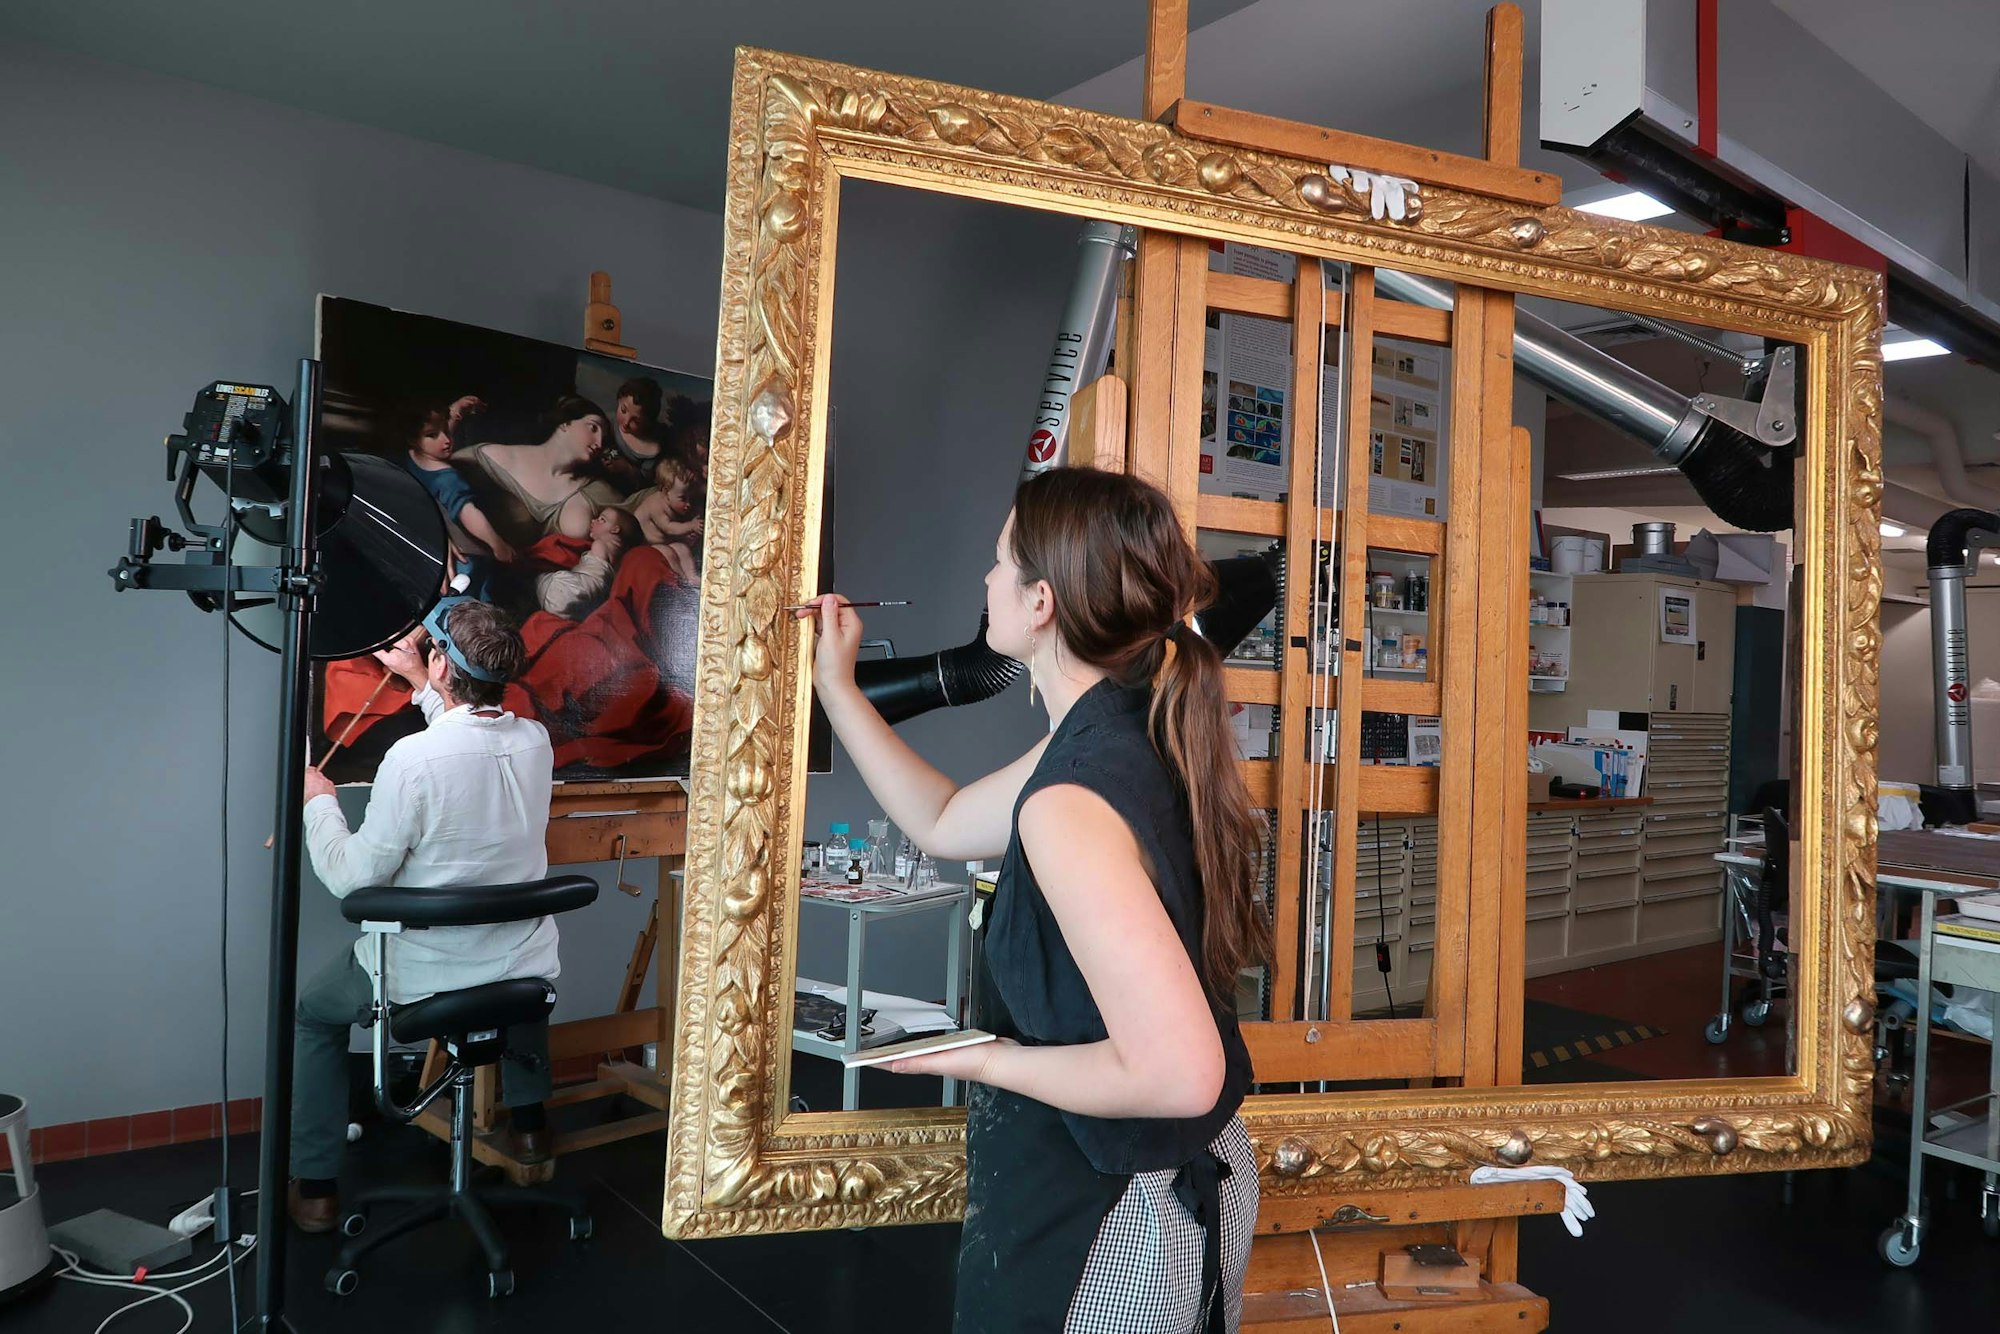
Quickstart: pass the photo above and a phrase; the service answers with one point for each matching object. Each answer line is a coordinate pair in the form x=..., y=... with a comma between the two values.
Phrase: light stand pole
x=297, y=588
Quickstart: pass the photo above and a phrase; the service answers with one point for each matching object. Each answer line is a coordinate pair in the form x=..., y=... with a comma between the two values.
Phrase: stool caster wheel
x=1897, y=1246
x=1717, y=1031
x=500, y=1283
x=354, y=1224
x=580, y=1228
x=342, y=1282
x=1756, y=1012
x=798, y=1104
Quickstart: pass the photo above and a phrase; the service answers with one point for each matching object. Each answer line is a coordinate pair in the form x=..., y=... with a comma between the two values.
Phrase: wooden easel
x=600, y=822
x=1469, y=1032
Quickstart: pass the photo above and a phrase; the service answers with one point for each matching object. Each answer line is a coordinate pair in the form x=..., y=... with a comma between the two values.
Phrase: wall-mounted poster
x=1676, y=616
x=573, y=487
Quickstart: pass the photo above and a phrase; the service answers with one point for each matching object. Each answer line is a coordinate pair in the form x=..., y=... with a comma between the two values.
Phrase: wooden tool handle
x=388, y=674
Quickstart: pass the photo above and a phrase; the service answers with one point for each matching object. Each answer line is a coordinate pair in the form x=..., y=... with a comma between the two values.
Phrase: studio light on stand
x=318, y=556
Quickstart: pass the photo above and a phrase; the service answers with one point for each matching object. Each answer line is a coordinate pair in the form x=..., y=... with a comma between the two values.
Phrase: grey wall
x=943, y=318
x=137, y=269
x=159, y=234
x=1906, y=734
x=156, y=235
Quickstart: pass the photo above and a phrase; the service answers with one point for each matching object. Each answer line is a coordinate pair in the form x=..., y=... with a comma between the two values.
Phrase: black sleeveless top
x=1031, y=989
x=1039, y=1182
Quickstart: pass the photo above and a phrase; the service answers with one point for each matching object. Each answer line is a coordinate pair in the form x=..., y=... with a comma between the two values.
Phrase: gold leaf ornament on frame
x=737, y=1163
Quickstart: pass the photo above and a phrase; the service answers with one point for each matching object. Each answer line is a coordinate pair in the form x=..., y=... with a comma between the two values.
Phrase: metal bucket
x=1653, y=539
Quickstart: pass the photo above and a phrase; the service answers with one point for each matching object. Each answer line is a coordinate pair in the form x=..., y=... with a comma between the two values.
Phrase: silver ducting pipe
x=1744, y=482
x=1083, y=339
x=1947, y=456
x=1951, y=552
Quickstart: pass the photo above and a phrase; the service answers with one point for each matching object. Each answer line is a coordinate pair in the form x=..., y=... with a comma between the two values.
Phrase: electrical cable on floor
x=74, y=1272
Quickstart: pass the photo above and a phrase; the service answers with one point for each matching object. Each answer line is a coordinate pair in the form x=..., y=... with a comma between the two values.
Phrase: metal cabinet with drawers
x=1551, y=863
x=1395, y=905
x=1609, y=882
x=1660, y=889
x=1603, y=882
x=1687, y=776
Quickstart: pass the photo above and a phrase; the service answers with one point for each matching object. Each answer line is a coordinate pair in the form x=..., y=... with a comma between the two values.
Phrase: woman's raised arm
x=950, y=822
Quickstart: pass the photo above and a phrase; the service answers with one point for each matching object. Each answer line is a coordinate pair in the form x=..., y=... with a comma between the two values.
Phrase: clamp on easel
x=602, y=325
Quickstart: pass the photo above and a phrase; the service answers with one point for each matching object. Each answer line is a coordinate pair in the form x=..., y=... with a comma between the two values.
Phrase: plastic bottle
x=839, y=851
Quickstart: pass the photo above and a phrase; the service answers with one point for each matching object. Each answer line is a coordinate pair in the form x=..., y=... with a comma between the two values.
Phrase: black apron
x=1039, y=1182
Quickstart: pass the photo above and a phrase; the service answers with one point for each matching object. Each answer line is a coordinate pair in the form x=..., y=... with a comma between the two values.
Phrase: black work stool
x=472, y=1024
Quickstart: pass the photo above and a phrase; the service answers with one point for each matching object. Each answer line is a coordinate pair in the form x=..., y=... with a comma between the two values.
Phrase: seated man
x=463, y=802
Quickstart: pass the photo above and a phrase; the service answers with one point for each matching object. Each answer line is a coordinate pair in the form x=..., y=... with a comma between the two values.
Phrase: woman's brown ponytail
x=1126, y=579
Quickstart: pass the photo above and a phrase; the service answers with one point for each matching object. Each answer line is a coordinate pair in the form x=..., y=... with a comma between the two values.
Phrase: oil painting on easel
x=573, y=487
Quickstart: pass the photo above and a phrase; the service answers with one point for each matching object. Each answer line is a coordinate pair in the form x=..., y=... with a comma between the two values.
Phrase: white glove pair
x=1386, y=194
x=1576, y=1200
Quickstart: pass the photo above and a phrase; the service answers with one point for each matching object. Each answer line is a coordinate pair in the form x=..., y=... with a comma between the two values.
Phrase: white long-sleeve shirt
x=463, y=802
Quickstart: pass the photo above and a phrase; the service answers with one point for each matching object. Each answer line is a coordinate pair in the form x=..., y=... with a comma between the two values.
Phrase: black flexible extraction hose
x=903, y=688
x=1950, y=538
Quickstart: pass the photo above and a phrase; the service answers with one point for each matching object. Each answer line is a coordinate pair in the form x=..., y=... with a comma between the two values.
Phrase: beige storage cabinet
x=1618, y=662
x=1662, y=890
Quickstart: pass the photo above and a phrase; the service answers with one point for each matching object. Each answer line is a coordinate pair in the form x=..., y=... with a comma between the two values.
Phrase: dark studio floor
x=1728, y=1253
x=1680, y=991
x=1660, y=1256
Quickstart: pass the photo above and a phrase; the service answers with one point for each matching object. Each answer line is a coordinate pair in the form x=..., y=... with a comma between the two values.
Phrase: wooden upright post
x=1158, y=273
x=1503, y=86
x=1166, y=56
x=1470, y=1030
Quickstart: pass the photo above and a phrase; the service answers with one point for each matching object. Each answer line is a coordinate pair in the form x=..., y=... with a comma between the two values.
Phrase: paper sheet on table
x=906, y=1012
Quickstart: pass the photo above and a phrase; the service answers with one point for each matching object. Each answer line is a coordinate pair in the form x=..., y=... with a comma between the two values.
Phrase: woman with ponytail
x=1110, y=1183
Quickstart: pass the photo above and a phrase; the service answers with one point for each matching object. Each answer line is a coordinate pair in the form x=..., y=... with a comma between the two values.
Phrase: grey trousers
x=338, y=998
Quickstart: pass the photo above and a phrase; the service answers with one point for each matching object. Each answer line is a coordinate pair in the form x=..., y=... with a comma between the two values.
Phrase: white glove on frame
x=1576, y=1200
x=1386, y=194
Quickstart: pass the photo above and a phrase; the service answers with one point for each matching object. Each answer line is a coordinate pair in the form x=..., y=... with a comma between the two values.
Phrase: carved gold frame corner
x=738, y=1161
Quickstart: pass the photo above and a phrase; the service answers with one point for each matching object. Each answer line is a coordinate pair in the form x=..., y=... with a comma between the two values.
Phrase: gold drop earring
x=1031, y=669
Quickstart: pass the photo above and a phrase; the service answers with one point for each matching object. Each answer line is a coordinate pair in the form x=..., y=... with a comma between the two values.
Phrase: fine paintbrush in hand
x=814, y=605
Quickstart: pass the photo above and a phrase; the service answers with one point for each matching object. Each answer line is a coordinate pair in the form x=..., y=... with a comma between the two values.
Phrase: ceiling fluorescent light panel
x=1907, y=348
x=1632, y=206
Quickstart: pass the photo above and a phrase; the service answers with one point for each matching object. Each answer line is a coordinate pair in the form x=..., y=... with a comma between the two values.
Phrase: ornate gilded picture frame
x=738, y=1160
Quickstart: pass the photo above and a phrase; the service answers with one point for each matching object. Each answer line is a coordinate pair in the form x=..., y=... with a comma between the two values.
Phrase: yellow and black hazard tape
x=1580, y=1049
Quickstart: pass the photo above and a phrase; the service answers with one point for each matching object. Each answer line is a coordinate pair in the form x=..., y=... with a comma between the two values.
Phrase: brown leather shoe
x=530, y=1147
x=312, y=1215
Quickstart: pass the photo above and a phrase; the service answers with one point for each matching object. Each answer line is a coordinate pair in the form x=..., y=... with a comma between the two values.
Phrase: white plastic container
x=1571, y=554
